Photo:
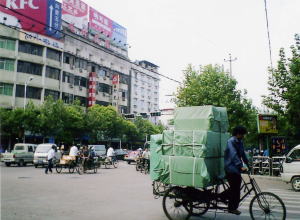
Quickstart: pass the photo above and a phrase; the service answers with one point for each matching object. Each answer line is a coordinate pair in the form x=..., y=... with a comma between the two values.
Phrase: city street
x=111, y=194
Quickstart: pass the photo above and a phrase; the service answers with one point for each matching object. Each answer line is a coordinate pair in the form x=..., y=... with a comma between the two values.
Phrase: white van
x=100, y=150
x=291, y=168
x=40, y=155
x=22, y=154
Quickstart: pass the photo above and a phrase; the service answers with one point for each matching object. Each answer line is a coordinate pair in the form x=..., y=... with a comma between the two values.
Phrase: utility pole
x=230, y=60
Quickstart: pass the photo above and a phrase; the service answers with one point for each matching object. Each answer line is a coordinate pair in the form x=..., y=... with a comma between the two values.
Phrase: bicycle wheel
x=72, y=167
x=58, y=168
x=266, y=205
x=137, y=166
x=146, y=169
x=198, y=208
x=174, y=206
x=159, y=188
x=80, y=169
x=115, y=164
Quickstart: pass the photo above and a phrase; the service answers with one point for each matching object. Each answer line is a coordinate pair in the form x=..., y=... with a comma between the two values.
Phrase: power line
x=269, y=39
x=76, y=38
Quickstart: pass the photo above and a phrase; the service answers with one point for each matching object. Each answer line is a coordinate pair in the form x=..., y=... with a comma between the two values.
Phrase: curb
x=275, y=178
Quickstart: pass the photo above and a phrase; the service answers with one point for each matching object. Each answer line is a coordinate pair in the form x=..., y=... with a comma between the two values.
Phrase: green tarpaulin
x=207, y=118
x=155, y=141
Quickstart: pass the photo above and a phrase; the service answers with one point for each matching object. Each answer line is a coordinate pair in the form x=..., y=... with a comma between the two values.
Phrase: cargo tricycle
x=185, y=202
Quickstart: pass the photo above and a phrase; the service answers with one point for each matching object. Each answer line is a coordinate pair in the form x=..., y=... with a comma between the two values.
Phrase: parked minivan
x=22, y=154
x=40, y=155
x=100, y=150
x=291, y=168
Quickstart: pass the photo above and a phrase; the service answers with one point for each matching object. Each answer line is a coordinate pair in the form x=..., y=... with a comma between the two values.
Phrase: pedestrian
x=234, y=158
x=50, y=157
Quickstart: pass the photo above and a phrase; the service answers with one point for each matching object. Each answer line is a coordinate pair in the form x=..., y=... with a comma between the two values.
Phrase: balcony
x=30, y=58
x=7, y=76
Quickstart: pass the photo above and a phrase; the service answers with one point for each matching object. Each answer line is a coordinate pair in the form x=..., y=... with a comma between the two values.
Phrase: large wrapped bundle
x=207, y=118
x=193, y=143
x=155, y=143
x=189, y=171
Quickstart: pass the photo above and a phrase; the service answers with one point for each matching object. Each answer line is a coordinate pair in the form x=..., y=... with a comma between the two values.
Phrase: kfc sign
x=41, y=16
x=13, y=4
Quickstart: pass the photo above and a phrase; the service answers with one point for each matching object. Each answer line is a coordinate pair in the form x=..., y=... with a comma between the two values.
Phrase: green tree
x=103, y=122
x=212, y=86
x=52, y=118
x=31, y=116
x=145, y=128
x=284, y=92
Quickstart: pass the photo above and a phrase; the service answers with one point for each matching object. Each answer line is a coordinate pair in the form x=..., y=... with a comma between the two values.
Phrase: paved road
x=111, y=194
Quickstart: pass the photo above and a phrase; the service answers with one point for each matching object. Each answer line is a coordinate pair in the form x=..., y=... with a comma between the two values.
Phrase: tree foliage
x=212, y=86
x=284, y=91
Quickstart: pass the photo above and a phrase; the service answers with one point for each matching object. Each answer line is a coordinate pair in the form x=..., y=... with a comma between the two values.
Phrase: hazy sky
x=174, y=33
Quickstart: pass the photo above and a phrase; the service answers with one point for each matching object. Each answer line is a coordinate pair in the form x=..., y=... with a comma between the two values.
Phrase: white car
x=291, y=168
x=41, y=152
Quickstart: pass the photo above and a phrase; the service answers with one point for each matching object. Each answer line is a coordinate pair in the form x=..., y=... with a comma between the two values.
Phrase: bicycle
x=108, y=162
x=84, y=165
x=184, y=202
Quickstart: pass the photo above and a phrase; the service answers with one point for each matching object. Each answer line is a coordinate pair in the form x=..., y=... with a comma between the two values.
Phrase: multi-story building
x=144, y=88
x=61, y=71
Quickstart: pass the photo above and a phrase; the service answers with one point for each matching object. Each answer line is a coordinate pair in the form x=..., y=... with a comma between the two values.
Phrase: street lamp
x=26, y=83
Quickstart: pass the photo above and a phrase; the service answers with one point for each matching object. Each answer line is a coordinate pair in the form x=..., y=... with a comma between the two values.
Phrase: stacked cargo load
x=193, y=153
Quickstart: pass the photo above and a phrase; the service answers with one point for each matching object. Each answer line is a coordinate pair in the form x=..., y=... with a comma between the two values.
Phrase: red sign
x=100, y=23
x=75, y=12
x=115, y=79
x=92, y=89
x=34, y=9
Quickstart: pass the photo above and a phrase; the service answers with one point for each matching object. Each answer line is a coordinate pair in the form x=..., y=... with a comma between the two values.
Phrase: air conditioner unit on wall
x=71, y=85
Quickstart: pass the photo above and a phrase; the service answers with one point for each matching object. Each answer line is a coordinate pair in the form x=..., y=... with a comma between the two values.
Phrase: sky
x=175, y=33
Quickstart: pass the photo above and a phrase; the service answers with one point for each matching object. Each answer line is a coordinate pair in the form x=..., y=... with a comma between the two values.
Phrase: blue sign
x=53, y=19
x=119, y=35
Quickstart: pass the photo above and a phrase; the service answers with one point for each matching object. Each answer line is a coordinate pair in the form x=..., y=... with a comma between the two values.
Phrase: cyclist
x=234, y=158
x=146, y=157
x=110, y=154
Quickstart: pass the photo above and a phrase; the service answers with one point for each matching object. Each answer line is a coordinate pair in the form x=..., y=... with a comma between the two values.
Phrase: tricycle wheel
x=115, y=164
x=175, y=207
x=71, y=168
x=266, y=205
x=95, y=168
x=58, y=168
x=198, y=208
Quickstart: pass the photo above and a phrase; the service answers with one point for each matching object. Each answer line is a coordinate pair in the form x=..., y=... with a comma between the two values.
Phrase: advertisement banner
x=278, y=146
x=40, y=16
x=119, y=34
x=100, y=23
x=75, y=12
x=53, y=19
x=267, y=124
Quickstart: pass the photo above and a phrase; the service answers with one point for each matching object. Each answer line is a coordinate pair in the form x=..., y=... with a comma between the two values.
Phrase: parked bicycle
x=184, y=202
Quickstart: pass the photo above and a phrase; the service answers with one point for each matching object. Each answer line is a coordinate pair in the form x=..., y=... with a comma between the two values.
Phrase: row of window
x=74, y=80
x=7, y=64
x=6, y=89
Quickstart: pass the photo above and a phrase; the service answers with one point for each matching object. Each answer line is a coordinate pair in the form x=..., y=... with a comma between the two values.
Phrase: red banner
x=92, y=89
x=115, y=79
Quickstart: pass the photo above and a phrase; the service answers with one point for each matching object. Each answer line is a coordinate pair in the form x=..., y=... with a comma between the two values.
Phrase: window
x=103, y=103
x=295, y=155
x=68, y=77
x=67, y=58
x=83, y=100
x=6, y=89
x=29, y=48
x=104, y=88
x=30, y=149
x=80, y=63
x=54, y=94
x=124, y=79
x=32, y=92
x=67, y=97
x=8, y=44
x=52, y=73
x=31, y=68
x=7, y=64
x=53, y=54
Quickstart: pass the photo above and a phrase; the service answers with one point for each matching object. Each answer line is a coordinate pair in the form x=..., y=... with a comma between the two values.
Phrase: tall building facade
x=78, y=53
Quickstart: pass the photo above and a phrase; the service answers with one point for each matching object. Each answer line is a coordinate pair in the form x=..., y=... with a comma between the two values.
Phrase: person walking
x=234, y=158
x=50, y=157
